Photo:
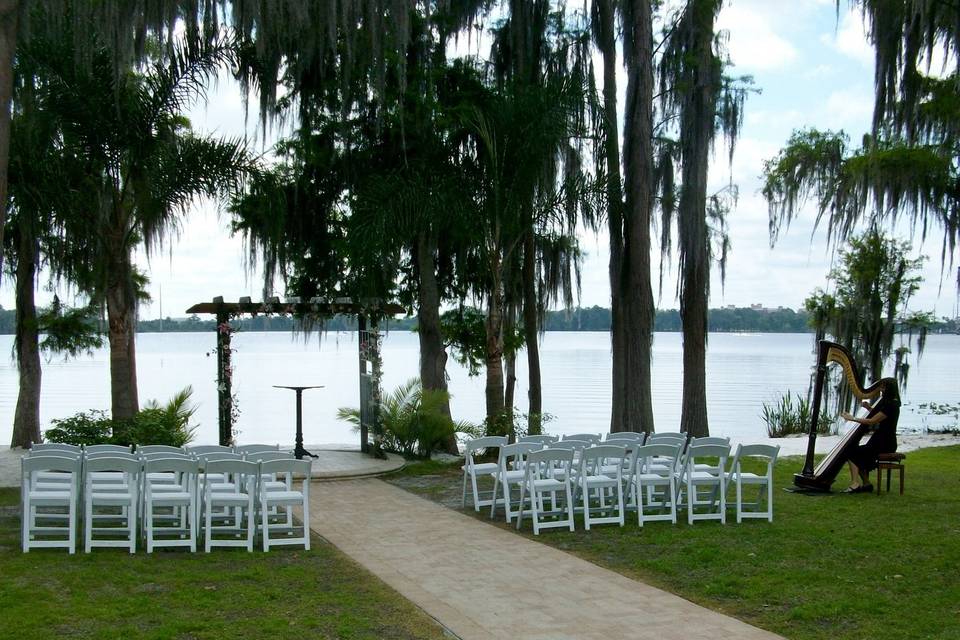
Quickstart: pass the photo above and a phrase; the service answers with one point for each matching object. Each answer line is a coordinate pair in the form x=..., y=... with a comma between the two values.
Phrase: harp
x=822, y=477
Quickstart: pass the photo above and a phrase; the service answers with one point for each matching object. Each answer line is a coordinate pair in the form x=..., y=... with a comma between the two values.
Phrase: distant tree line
x=594, y=318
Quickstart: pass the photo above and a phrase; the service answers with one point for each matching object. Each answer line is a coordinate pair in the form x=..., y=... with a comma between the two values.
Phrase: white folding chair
x=510, y=472
x=239, y=500
x=473, y=469
x=762, y=453
x=539, y=481
x=596, y=464
x=62, y=498
x=273, y=499
x=701, y=472
x=98, y=492
x=180, y=496
x=271, y=481
x=653, y=469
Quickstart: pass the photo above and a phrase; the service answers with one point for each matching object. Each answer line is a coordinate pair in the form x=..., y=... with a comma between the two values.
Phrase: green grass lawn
x=829, y=566
x=286, y=593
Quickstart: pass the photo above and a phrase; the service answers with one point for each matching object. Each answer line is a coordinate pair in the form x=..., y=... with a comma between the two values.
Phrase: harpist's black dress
x=883, y=440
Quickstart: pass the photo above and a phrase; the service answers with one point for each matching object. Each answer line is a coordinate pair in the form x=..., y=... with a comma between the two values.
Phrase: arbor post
x=364, y=382
x=224, y=375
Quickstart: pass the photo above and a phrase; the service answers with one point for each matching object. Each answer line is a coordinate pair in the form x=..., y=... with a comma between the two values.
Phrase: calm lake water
x=743, y=371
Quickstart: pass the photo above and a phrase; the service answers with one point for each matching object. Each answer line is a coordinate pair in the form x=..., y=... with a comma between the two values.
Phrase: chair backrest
x=592, y=438
x=208, y=448
x=127, y=465
x=206, y=458
x=700, y=451
x=767, y=452
x=663, y=451
x=120, y=455
x=666, y=436
x=67, y=453
x=166, y=455
x=517, y=452
x=99, y=448
x=159, y=448
x=543, y=439
x=543, y=460
x=484, y=443
x=54, y=446
x=710, y=440
x=286, y=465
x=180, y=464
x=592, y=458
x=256, y=448
x=51, y=462
x=241, y=470
x=626, y=435
x=263, y=456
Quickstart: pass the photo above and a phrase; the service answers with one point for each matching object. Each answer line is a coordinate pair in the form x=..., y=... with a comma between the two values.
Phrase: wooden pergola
x=368, y=314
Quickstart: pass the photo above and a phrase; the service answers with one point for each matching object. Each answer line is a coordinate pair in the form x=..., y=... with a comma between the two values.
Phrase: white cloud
x=754, y=44
x=851, y=40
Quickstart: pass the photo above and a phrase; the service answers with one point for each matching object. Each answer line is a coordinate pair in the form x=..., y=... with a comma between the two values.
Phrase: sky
x=812, y=68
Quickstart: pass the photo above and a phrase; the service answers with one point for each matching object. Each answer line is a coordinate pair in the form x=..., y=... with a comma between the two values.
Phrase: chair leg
x=902, y=469
x=265, y=519
x=132, y=523
x=88, y=525
x=570, y=506
x=476, y=493
x=463, y=499
x=888, y=479
x=493, y=503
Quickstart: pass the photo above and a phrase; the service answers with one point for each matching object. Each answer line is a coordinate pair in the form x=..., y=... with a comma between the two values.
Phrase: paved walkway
x=483, y=582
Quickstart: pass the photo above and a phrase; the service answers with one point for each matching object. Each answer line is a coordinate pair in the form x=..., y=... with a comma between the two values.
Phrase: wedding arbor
x=368, y=314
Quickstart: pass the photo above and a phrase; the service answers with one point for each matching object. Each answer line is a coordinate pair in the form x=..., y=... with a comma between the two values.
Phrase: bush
x=786, y=418
x=410, y=418
x=169, y=425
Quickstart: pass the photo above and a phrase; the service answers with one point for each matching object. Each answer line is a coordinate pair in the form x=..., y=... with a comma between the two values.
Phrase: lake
x=743, y=371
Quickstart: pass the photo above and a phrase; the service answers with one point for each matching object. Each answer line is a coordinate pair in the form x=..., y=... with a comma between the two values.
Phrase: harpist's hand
x=866, y=405
x=846, y=416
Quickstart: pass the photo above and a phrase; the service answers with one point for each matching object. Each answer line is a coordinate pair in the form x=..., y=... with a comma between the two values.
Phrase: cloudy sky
x=812, y=70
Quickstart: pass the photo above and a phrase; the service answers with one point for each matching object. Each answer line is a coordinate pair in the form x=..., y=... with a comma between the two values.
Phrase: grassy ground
x=285, y=593
x=829, y=566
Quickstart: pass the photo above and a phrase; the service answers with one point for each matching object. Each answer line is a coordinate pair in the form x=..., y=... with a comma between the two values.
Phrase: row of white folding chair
x=115, y=481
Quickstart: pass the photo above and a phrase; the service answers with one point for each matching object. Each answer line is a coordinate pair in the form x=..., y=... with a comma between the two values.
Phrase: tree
x=907, y=167
x=144, y=168
x=872, y=286
x=695, y=90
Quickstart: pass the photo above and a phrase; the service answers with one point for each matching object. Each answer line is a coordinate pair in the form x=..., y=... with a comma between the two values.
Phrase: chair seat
x=653, y=478
x=486, y=467
x=219, y=498
x=166, y=497
x=749, y=478
x=890, y=457
x=703, y=477
x=282, y=496
x=548, y=484
x=273, y=485
x=510, y=476
x=599, y=481
x=116, y=499
x=50, y=497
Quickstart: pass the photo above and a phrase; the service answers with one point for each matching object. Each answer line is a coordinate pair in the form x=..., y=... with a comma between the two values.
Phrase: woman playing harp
x=881, y=421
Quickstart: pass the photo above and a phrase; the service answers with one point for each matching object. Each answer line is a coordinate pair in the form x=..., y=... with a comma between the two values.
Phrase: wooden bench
x=890, y=462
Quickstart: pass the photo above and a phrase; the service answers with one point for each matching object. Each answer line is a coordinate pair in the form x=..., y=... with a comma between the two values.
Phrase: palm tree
x=144, y=169
x=694, y=90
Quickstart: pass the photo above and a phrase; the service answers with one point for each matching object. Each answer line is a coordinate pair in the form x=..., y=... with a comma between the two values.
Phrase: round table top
x=281, y=386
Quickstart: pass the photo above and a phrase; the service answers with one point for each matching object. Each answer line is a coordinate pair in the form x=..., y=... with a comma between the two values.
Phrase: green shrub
x=786, y=418
x=411, y=420
x=168, y=425
x=84, y=428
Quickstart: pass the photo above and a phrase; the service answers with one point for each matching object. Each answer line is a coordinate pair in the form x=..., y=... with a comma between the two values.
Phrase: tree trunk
x=121, y=317
x=494, y=352
x=531, y=335
x=9, y=10
x=26, y=419
x=433, y=354
x=509, y=393
x=636, y=291
x=696, y=132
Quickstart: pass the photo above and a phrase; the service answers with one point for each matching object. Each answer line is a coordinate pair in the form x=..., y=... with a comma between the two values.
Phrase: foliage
x=797, y=575
x=155, y=424
x=70, y=332
x=872, y=284
x=785, y=418
x=412, y=420
x=464, y=329
x=200, y=595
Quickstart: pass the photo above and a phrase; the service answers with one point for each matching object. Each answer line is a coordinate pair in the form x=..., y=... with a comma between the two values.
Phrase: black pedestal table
x=298, y=450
